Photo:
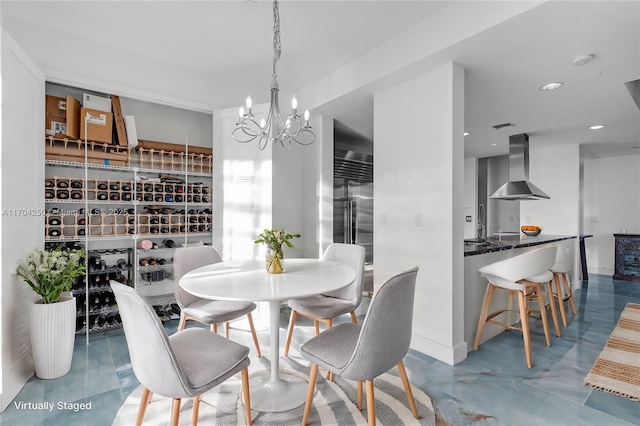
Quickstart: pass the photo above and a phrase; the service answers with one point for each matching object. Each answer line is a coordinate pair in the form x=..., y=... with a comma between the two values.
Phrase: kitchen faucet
x=499, y=231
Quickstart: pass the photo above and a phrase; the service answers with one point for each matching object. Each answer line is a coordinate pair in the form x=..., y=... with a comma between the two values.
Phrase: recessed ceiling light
x=467, y=133
x=582, y=59
x=597, y=127
x=552, y=86
x=493, y=144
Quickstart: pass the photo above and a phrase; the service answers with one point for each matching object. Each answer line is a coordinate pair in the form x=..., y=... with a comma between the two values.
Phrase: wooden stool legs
x=568, y=295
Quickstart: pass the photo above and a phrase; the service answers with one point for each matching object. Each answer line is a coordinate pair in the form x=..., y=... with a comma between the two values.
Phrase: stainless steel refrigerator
x=353, y=200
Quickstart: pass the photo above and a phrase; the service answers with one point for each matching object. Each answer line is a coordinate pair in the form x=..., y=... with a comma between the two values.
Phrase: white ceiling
x=230, y=43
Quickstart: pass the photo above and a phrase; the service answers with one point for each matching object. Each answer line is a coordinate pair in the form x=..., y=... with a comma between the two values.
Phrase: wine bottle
x=49, y=194
x=54, y=232
x=62, y=194
x=114, y=186
x=76, y=184
x=102, y=196
x=48, y=183
x=55, y=221
x=115, y=197
x=63, y=184
x=103, y=186
x=76, y=195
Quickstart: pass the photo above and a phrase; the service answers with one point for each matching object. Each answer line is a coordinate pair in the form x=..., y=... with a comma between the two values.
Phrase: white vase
x=52, y=335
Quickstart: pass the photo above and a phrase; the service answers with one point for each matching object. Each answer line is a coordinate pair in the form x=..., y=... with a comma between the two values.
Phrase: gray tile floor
x=491, y=387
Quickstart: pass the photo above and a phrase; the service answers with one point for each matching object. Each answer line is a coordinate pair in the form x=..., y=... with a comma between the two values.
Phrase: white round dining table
x=248, y=281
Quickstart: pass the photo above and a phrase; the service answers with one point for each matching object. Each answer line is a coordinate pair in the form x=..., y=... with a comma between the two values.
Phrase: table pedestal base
x=273, y=395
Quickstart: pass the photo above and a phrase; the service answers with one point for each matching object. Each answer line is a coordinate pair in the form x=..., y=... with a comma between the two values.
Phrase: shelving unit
x=627, y=257
x=113, y=206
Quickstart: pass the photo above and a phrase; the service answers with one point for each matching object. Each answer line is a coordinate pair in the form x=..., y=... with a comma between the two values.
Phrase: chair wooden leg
x=292, y=323
x=175, y=412
x=214, y=327
x=558, y=295
x=313, y=374
x=144, y=402
x=371, y=403
x=407, y=389
x=246, y=396
x=567, y=287
x=353, y=318
x=484, y=312
x=524, y=319
x=543, y=313
x=253, y=333
x=552, y=304
x=196, y=409
x=359, y=395
x=226, y=329
x=183, y=321
x=316, y=324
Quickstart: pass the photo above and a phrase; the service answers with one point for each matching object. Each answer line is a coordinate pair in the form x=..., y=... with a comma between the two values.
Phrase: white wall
x=470, y=196
x=556, y=171
x=22, y=203
x=419, y=200
x=611, y=203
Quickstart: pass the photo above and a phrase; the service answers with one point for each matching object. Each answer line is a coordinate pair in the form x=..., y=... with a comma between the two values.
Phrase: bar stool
x=546, y=279
x=509, y=274
x=561, y=272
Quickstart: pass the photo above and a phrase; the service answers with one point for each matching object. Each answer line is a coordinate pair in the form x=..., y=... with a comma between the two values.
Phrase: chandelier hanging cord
x=273, y=129
x=277, y=46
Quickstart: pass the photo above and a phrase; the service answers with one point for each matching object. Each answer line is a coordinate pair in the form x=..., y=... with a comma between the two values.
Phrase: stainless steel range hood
x=518, y=187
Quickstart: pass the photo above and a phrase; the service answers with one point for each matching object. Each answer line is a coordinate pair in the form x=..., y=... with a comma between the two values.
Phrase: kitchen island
x=481, y=253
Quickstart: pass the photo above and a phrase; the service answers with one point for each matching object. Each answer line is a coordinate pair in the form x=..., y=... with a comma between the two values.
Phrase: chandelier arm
x=304, y=132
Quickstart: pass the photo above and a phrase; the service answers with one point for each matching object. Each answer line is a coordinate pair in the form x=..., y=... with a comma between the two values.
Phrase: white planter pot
x=52, y=334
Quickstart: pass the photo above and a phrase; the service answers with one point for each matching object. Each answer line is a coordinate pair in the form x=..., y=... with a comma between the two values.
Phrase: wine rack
x=95, y=303
x=107, y=198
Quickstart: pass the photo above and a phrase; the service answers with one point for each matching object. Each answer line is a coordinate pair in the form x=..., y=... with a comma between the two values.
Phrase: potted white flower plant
x=53, y=317
x=274, y=239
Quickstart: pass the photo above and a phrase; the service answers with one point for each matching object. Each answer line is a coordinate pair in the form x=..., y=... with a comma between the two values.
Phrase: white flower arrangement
x=49, y=273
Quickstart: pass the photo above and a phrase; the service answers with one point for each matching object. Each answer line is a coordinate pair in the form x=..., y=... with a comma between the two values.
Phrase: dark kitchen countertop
x=471, y=247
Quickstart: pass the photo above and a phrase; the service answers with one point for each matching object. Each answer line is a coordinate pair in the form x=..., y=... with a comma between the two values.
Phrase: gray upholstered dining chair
x=184, y=365
x=210, y=312
x=325, y=307
x=363, y=352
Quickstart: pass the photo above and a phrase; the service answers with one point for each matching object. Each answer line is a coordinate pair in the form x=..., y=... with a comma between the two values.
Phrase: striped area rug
x=617, y=369
x=333, y=403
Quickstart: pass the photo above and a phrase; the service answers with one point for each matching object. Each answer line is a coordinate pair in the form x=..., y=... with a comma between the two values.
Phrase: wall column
x=419, y=202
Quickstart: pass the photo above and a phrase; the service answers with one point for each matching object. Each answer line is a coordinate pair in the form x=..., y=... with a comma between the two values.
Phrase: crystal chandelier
x=273, y=129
